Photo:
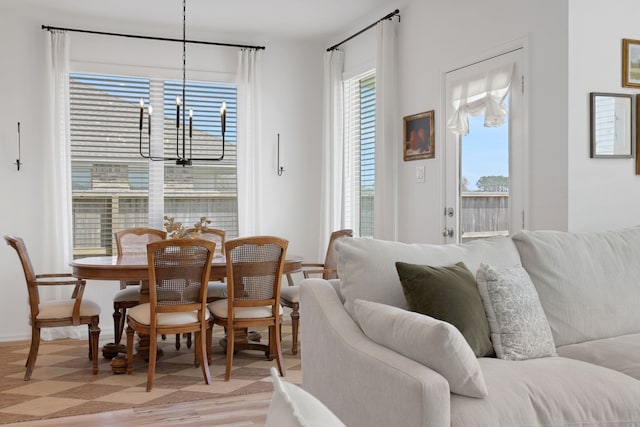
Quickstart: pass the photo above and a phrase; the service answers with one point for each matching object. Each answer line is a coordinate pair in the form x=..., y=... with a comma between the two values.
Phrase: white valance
x=480, y=93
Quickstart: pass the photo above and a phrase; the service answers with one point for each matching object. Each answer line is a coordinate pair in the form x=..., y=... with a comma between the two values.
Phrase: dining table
x=136, y=268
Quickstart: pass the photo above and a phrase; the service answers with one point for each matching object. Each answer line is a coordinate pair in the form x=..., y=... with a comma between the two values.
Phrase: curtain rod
x=389, y=16
x=49, y=28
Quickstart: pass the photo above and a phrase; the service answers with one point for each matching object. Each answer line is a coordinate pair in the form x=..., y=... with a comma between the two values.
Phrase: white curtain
x=387, y=144
x=331, y=194
x=481, y=93
x=249, y=143
x=56, y=223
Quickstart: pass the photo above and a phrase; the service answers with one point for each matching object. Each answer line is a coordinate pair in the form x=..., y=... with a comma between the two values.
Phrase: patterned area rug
x=62, y=383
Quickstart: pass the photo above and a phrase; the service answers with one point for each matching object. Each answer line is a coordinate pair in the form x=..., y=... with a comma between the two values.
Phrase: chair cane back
x=178, y=276
x=131, y=241
x=254, y=275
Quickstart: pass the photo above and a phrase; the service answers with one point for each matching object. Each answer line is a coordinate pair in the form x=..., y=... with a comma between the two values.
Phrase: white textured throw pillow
x=291, y=406
x=518, y=325
x=431, y=342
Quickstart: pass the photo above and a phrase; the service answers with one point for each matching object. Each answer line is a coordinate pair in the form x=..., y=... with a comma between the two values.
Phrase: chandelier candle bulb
x=190, y=123
x=178, y=112
x=141, y=111
x=223, y=116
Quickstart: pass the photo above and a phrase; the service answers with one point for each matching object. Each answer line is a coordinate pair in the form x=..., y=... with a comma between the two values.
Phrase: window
x=359, y=154
x=114, y=188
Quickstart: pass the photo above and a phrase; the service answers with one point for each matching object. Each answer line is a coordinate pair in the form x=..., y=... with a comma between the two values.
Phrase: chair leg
x=276, y=347
x=230, y=348
x=295, y=321
x=94, y=337
x=118, y=322
x=130, y=332
x=197, y=358
x=33, y=352
x=153, y=353
x=201, y=346
x=209, y=343
x=187, y=336
x=177, y=341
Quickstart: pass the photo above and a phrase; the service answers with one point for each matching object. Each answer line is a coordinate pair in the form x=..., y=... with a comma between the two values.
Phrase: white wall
x=434, y=37
x=603, y=193
x=292, y=73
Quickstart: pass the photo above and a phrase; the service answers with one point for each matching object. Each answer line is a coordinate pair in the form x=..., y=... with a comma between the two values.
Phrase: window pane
x=206, y=189
x=111, y=182
x=359, y=182
x=484, y=181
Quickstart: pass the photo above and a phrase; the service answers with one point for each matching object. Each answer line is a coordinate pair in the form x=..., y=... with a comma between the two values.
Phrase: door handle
x=447, y=232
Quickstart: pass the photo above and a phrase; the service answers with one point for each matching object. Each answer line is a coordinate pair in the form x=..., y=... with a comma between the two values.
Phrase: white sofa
x=588, y=285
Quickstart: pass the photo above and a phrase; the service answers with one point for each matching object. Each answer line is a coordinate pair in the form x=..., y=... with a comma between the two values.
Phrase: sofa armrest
x=363, y=383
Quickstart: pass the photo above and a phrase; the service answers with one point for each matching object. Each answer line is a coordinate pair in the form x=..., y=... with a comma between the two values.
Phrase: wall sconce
x=280, y=168
x=18, y=162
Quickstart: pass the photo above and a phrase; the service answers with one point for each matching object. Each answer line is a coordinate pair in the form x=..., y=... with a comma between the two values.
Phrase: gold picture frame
x=418, y=140
x=631, y=63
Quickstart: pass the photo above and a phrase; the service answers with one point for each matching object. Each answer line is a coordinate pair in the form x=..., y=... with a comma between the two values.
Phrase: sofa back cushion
x=588, y=283
x=367, y=267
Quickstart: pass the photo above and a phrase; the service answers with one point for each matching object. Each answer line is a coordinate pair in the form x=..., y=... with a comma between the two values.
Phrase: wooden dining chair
x=290, y=295
x=254, y=275
x=178, y=273
x=216, y=289
x=131, y=241
x=63, y=312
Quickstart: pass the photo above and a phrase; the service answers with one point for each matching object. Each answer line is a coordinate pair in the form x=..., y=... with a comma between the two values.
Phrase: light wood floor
x=239, y=411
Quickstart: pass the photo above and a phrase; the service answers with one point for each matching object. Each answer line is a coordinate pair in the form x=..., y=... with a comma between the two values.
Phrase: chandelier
x=183, y=155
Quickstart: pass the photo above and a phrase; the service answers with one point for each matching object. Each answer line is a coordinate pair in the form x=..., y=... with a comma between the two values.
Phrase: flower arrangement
x=177, y=230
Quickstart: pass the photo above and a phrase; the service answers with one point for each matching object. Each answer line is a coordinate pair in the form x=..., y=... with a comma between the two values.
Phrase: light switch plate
x=420, y=174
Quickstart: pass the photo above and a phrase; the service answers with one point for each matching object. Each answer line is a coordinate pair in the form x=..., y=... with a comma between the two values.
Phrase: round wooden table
x=135, y=267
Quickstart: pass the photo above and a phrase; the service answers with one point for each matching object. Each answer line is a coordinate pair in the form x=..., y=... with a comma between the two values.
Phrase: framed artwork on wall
x=418, y=136
x=630, y=63
x=612, y=125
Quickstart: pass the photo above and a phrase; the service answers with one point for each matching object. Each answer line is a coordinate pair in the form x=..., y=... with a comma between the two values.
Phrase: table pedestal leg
x=111, y=350
x=247, y=340
x=119, y=363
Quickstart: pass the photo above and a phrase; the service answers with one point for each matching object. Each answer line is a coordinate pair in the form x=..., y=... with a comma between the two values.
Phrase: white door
x=485, y=169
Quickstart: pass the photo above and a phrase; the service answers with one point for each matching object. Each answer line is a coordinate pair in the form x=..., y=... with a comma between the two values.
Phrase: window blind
x=359, y=154
x=115, y=188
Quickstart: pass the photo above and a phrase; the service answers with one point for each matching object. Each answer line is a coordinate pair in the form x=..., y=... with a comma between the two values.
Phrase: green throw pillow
x=448, y=293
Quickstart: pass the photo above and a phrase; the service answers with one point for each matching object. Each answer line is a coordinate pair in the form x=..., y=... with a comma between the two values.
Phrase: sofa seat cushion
x=553, y=391
x=584, y=281
x=367, y=267
x=618, y=353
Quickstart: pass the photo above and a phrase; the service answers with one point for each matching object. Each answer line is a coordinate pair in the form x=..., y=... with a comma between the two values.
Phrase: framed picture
x=418, y=136
x=630, y=63
x=612, y=128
